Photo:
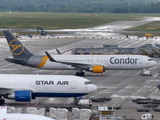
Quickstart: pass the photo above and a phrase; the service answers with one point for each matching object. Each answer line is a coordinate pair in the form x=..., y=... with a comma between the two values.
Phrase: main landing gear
x=75, y=101
x=80, y=74
x=2, y=101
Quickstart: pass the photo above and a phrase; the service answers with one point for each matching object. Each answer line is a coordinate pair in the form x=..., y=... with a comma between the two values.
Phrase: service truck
x=147, y=116
x=146, y=73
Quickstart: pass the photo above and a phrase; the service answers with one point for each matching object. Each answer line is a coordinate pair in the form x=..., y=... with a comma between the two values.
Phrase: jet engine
x=21, y=96
x=97, y=69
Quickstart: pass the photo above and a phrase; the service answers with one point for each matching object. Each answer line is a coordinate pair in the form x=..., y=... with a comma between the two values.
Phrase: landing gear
x=75, y=101
x=2, y=101
x=79, y=74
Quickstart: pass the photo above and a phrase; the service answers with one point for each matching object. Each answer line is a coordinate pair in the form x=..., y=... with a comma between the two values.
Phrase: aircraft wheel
x=79, y=74
x=2, y=101
x=82, y=74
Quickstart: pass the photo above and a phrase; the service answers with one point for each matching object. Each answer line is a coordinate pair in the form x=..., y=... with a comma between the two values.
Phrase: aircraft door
x=73, y=84
x=140, y=60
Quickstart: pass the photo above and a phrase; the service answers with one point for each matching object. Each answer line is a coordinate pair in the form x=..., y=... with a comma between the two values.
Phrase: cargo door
x=73, y=84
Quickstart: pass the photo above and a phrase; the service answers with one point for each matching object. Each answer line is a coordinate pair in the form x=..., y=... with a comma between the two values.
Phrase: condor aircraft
x=23, y=88
x=92, y=63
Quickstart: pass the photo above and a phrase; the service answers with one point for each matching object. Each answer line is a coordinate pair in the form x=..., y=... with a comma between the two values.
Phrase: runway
x=120, y=85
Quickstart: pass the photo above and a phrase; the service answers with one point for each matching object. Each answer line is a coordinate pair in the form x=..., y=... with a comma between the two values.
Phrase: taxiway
x=120, y=85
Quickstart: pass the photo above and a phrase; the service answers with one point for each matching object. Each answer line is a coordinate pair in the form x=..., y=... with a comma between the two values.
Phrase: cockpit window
x=87, y=82
x=150, y=59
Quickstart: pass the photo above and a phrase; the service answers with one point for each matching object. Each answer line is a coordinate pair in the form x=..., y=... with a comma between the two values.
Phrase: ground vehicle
x=114, y=107
x=149, y=35
x=147, y=116
x=42, y=31
x=146, y=73
x=143, y=110
x=158, y=87
x=16, y=34
x=100, y=99
x=85, y=102
x=156, y=109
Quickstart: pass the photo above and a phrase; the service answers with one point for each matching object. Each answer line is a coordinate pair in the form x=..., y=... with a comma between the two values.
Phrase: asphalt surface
x=120, y=85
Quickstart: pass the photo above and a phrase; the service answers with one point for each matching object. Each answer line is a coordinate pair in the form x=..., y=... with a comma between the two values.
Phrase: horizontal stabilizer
x=15, y=60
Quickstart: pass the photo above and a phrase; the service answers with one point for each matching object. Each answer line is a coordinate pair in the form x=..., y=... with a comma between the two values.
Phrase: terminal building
x=147, y=49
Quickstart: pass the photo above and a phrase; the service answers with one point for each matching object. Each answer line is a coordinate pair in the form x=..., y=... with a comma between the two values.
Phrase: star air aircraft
x=24, y=88
x=91, y=63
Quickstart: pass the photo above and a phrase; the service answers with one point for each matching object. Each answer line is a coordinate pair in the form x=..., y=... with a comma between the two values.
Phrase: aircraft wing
x=74, y=64
x=4, y=90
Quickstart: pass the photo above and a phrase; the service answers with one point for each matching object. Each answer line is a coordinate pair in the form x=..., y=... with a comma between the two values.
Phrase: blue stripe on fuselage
x=57, y=94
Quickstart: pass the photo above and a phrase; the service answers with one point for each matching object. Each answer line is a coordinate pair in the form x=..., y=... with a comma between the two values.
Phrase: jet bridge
x=156, y=51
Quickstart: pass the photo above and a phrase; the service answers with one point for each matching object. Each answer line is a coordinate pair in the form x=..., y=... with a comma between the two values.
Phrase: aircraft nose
x=154, y=63
x=94, y=88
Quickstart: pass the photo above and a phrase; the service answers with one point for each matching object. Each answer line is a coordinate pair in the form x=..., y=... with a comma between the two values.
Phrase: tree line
x=83, y=6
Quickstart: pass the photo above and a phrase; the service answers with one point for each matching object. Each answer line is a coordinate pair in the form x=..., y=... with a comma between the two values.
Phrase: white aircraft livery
x=92, y=63
x=23, y=88
x=14, y=116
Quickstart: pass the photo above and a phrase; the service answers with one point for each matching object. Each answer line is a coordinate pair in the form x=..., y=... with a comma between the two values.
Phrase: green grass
x=152, y=26
x=50, y=20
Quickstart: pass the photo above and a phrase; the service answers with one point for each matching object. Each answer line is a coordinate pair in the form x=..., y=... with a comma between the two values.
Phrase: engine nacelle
x=97, y=69
x=21, y=96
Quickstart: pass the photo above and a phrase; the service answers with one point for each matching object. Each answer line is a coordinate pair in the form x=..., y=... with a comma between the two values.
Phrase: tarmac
x=120, y=85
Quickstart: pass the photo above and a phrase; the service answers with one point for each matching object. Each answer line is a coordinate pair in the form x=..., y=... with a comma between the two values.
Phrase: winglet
x=59, y=53
x=50, y=57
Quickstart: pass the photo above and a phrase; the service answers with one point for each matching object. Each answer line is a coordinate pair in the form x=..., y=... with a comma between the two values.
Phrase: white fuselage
x=46, y=85
x=13, y=116
x=110, y=62
x=17, y=116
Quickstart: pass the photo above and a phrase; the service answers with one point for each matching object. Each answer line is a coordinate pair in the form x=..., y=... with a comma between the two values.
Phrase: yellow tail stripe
x=44, y=59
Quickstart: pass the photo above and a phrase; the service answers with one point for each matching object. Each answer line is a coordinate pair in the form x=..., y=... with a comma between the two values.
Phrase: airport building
x=147, y=49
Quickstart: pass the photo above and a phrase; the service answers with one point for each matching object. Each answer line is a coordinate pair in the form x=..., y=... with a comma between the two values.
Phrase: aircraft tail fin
x=18, y=50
